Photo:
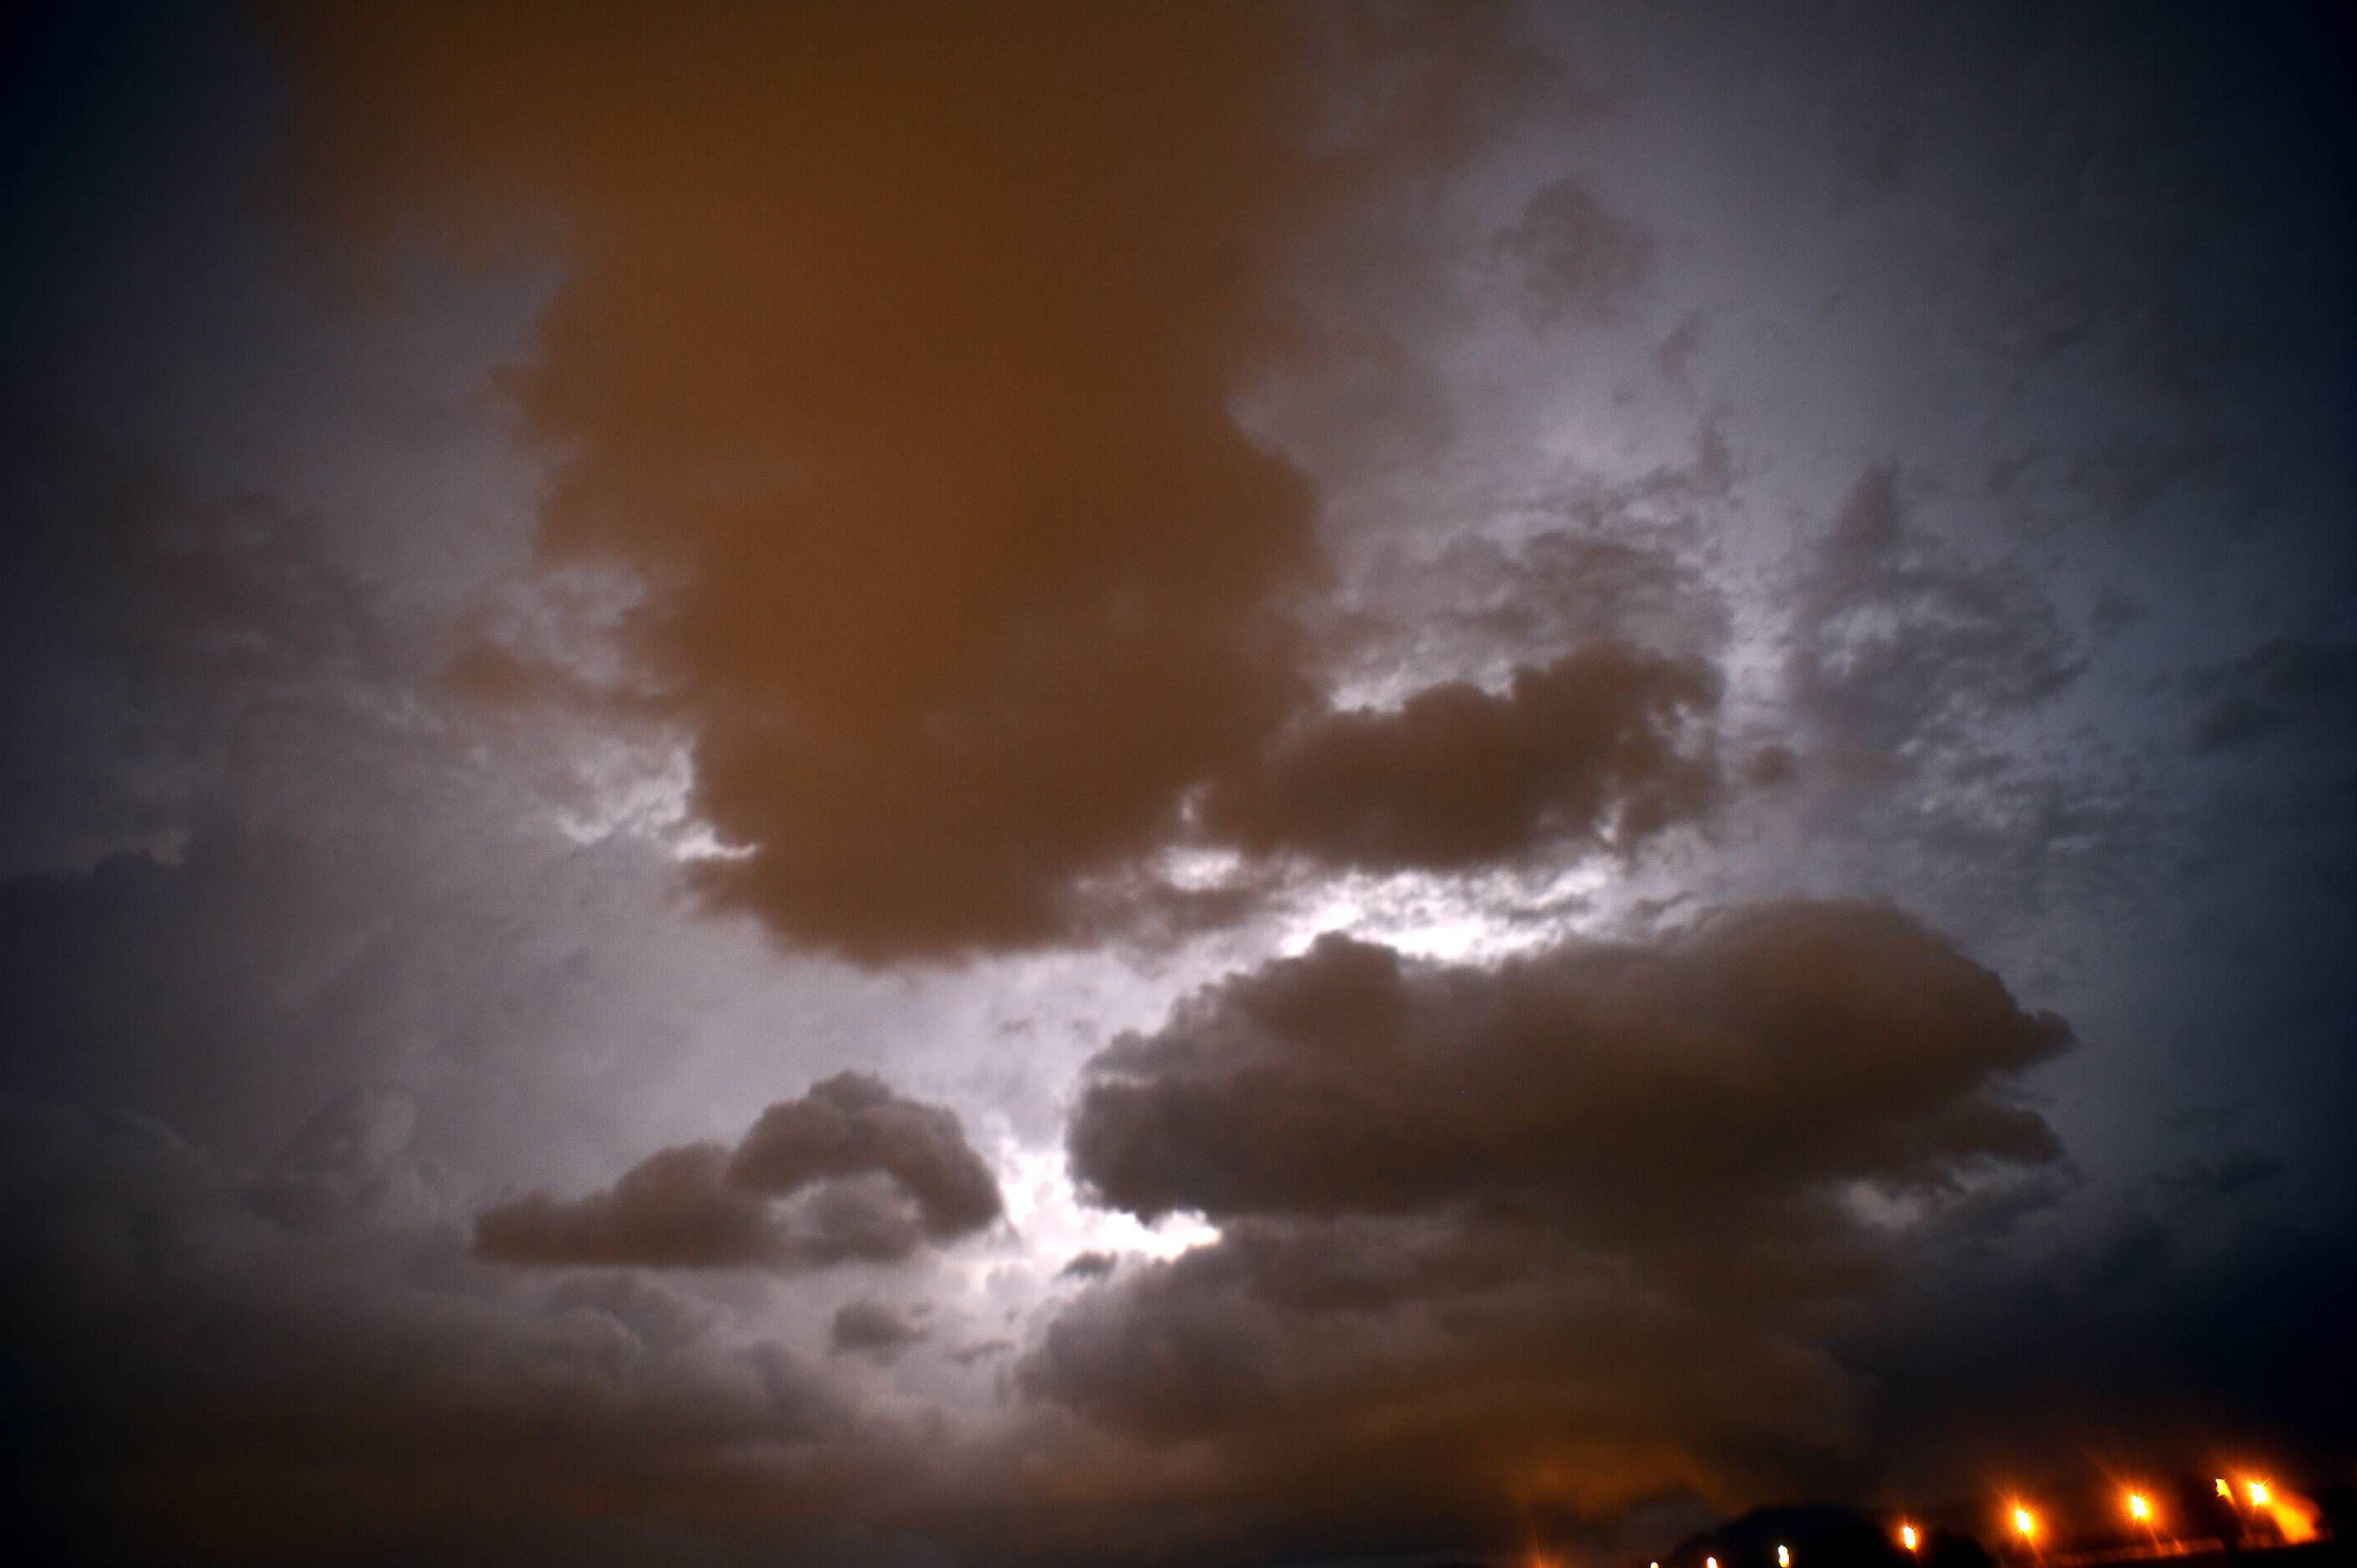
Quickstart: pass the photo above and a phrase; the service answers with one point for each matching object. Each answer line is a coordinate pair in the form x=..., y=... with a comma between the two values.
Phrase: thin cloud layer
x=1585, y=1220
x=849, y=1172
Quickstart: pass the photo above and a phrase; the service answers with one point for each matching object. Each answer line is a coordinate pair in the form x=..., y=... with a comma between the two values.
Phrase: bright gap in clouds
x=1046, y=1210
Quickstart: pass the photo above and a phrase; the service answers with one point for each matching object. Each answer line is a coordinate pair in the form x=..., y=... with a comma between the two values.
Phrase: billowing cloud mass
x=899, y=350
x=1581, y=1218
x=850, y=1172
x=1596, y=748
x=1797, y=1045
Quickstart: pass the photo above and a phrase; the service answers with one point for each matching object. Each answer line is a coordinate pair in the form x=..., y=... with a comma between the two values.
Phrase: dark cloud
x=872, y=1329
x=850, y=1172
x=1588, y=559
x=150, y=630
x=1584, y=1219
x=1352, y=1080
x=1598, y=748
x=2132, y=1338
x=181, y=1377
x=1905, y=654
x=2238, y=1169
x=853, y=1123
x=966, y=573
x=1089, y=1266
x=1577, y=257
x=1769, y=767
x=2288, y=685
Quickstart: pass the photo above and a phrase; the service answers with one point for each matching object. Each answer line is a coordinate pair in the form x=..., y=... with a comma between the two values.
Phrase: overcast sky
x=948, y=785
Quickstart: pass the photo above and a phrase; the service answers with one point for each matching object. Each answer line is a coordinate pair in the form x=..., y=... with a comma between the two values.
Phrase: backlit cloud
x=850, y=1172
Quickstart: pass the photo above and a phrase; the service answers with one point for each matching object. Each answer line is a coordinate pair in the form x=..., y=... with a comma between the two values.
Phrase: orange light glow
x=1907, y=1536
x=2295, y=1520
x=1783, y=1558
x=1710, y=1563
x=2224, y=1490
x=2137, y=1507
x=2258, y=1494
x=2025, y=1523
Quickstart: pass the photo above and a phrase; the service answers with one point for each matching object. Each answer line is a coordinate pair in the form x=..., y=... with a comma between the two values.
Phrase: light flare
x=1906, y=1537
x=2295, y=1519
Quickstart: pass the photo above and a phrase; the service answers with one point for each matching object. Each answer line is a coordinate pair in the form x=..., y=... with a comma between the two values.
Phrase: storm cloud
x=850, y=1172
x=964, y=571
x=1559, y=1217
x=1596, y=748
x=926, y=786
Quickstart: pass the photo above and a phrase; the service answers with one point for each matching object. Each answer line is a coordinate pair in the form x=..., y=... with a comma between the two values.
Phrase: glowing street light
x=2025, y=1523
x=1710, y=1563
x=2258, y=1494
x=2139, y=1509
x=2224, y=1490
x=1907, y=1536
x=1783, y=1558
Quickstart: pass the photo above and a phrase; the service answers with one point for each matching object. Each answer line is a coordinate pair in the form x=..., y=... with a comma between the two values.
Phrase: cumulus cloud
x=966, y=573
x=1351, y=1079
x=1592, y=749
x=872, y=1329
x=1586, y=1218
x=850, y=1172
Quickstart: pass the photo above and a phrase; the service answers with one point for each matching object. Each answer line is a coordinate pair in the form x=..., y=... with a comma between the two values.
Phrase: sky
x=938, y=786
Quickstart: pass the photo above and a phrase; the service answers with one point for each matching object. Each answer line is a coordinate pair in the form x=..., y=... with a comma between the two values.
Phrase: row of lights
x=2025, y=1523
x=2139, y=1509
x=1783, y=1560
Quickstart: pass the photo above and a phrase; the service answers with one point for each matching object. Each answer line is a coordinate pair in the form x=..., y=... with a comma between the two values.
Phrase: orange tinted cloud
x=896, y=348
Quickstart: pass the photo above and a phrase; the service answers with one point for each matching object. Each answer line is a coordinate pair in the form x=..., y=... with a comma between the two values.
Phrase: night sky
x=936, y=786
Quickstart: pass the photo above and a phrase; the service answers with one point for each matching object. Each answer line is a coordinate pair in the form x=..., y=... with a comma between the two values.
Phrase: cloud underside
x=966, y=579
x=1587, y=1219
x=849, y=1172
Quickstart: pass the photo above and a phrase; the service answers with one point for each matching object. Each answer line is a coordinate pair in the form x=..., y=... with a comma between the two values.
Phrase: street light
x=1907, y=1536
x=2138, y=1509
x=2025, y=1523
x=1783, y=1558
x=2258, y=1494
